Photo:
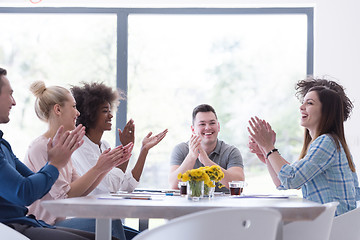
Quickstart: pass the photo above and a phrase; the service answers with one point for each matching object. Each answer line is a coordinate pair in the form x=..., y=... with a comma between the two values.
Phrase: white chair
x=318, y=229
x=10, y=234
x=220, y=223
x=346, y=226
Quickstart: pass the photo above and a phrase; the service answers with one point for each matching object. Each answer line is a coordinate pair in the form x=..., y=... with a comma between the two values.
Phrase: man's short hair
x=202, y=108
x=2, y=73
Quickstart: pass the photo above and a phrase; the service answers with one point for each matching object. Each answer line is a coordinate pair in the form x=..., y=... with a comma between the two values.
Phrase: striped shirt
x=324, y=175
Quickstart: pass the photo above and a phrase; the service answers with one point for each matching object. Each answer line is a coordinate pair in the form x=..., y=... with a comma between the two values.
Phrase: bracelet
x=274, y=150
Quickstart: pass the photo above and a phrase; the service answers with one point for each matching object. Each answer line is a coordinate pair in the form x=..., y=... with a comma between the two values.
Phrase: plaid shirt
x=323, y=175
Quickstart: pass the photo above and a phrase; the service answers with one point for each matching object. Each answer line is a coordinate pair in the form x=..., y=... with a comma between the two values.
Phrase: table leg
x=279, y=235
x=143, y=224
x=103, y=229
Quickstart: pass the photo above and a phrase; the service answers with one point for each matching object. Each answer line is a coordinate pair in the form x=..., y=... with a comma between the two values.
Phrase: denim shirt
x=19, y=187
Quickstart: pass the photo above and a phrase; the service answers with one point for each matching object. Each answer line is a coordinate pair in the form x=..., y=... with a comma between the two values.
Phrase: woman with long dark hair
x=325, y=171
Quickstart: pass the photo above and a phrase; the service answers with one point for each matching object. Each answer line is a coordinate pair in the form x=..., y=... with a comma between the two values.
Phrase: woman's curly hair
x=89, y=97
x=303, y=86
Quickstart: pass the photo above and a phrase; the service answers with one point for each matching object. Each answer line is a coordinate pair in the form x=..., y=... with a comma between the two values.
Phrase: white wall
x=337, y=53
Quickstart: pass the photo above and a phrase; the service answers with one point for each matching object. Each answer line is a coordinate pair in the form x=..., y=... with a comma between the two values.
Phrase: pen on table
x=138, y=198
x=147, y=190
x=172, y=194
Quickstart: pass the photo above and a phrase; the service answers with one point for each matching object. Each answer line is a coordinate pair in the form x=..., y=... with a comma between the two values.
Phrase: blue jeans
x=88, y=224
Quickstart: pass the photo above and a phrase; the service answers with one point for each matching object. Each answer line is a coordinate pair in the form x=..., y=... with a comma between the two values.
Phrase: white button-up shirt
x=87, y=156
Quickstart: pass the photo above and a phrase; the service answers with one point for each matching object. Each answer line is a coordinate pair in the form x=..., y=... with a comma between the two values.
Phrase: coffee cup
x=183, y=188
x=236, y=187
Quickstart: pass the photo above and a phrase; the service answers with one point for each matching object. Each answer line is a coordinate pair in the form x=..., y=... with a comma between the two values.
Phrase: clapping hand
x=254, y=148
x=262, y=133
x=63, y=145
x=115, y=157
x=194, y=145
x=128, y=134
x=203, y=157
x=151, y=141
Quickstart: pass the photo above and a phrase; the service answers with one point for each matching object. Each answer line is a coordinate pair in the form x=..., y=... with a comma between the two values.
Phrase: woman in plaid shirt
x=325, y=171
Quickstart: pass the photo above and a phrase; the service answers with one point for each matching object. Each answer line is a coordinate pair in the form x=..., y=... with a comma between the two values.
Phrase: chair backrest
x=318, y=229
x=346, y=226
x=220, y=223
x=8, y=233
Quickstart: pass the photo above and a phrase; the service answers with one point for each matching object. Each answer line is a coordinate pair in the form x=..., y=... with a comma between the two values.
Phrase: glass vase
x=209, y=191
x=195, y=190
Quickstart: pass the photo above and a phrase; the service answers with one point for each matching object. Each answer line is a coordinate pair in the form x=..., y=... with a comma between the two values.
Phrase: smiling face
x=104, y=117
x=207, y=127
x=311, y=112
x=6, y=100
x=69, y=113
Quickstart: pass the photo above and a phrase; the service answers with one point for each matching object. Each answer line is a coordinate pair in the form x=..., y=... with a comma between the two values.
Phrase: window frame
x=122, y=33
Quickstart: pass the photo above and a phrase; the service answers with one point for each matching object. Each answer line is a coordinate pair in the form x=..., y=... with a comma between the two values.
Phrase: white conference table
x=104, y=208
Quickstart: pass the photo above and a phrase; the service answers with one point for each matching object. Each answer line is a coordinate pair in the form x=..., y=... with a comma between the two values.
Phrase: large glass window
x=243, y=65
x=60, y=49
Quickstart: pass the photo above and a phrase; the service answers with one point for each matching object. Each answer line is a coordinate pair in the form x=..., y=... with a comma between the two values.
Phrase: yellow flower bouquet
x=201, y=179
x=215, y=174
x=196, y=179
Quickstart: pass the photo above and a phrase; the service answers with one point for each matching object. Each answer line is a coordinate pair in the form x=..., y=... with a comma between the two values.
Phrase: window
x=244, y=62
x=60, y=49
x=242, y=65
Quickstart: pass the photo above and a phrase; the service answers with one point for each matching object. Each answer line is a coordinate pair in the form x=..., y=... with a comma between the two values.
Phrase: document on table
x=167, y=192
x=134, y=196
x=264, y=196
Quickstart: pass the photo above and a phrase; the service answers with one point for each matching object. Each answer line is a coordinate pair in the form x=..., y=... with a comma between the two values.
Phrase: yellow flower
x=214, y=172
x=185, y=177
x=206, y=178
x=205, y=174
x=209, y=183
x=196, y=173
x=214, y=168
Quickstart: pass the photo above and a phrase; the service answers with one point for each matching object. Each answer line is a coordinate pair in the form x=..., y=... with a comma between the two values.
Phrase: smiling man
x=205, y=149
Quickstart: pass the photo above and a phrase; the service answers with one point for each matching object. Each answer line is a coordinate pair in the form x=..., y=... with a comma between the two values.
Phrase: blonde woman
x=56, y=106
x=20, y=186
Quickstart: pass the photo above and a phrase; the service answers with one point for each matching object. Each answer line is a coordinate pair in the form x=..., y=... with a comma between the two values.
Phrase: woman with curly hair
x=303, y=86
x=325, y=170
x=95, y=102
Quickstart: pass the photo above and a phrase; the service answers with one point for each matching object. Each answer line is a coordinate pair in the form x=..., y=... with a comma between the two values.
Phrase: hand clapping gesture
x=254, y=148
x=63, y=145
x=262, y=137
x=151, y=141
x=115, y=157
x=128, y=134
x=194, y=145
